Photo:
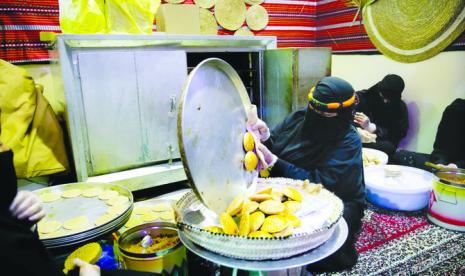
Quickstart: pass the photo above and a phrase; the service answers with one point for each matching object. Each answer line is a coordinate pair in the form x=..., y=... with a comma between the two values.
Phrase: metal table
x=312, y=256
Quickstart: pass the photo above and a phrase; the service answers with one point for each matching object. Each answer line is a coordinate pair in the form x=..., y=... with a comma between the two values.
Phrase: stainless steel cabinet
x=122, y=96
x=289, y=75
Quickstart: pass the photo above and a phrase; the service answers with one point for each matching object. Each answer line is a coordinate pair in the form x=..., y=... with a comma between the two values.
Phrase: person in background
x=320, y=143
x=22, y=251
x=449, y=145
x=381, y=111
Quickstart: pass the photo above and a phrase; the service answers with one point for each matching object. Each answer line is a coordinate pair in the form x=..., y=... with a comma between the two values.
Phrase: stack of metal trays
x=93, y=206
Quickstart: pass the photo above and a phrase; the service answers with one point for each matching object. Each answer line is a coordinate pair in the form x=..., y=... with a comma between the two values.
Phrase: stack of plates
x=63, y=208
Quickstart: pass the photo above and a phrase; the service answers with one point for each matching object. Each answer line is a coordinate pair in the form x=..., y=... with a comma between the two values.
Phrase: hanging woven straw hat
x=413, y=30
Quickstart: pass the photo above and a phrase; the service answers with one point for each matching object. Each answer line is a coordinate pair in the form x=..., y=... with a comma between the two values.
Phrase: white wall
x=430, y=86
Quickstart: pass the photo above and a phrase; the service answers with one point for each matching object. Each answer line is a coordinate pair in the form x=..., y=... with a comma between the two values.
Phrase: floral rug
x=406, y=243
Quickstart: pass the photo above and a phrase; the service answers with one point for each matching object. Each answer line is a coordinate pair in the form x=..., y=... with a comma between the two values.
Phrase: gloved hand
x=87, y=269
x=257, y=126
x=450, y=166
x=26, y=205
x=269, y=157
x=364, y=122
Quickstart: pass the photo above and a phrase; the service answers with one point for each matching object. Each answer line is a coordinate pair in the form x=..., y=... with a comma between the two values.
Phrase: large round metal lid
x=211, y=124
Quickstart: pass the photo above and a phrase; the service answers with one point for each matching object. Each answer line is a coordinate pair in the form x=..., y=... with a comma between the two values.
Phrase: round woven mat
x=413, y=30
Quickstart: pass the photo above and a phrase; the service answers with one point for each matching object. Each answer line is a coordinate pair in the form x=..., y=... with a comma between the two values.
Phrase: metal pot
x=170, y=260
x=446, y=206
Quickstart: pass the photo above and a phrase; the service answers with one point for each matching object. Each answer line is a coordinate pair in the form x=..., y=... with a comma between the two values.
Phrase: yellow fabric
x=107, y=16
x=130, y=16
x=82, y=16
x=28, y=125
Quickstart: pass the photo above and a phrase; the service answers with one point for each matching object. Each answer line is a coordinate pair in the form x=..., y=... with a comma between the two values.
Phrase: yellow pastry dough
x=117, y=200
x=149, y=217
x=103, y=219
x=48, y=226
x=230, y=14
x=140, y=210
x=271, y=207
x=71, y=193
x=116, y=210
x=167, y=215
x=161, y=207
x=92, y=192
x=50, y=197
x=76, y=223
x=133, y=221
x=105, y=195
x=52, y=235
x=256, y=17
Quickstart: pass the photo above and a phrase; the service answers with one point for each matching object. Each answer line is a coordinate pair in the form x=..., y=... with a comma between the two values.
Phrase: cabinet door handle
x=172, y=104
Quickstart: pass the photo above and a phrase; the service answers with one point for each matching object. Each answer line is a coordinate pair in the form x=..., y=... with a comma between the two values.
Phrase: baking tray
x=92, y=207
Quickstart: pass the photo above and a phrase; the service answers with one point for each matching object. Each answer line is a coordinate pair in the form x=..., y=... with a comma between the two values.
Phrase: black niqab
x=309, y=136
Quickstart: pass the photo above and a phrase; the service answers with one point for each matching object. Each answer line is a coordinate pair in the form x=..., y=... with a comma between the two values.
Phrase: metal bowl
x=168, y=260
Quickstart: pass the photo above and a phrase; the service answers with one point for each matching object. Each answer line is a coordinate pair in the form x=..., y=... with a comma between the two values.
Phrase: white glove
x=261, y=130
x=26, y=205
x=269, y=157
x=363, y=120
x=450, y=166
x=257, y=126
x=86, y=269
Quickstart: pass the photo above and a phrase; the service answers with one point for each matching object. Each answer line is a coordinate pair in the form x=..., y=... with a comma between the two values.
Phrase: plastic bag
x=28, y=125
x=130, y=16
x=82, y=16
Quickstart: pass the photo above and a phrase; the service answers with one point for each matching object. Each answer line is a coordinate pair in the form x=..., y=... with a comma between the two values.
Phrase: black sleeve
x=400, y=126
x=7, y=179
x=449, y=145
x=361, y=103
x=341, y=174
x=277, y=130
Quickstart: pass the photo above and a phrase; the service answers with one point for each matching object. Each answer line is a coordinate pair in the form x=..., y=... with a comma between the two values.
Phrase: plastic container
x=407, y=190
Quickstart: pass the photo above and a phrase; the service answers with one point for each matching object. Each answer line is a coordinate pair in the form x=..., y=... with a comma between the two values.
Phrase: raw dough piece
x=92, y=192
x=76, y=223
x=167, y=215
x=133, y=221
x=117, y=200
x=161, y=207
x=50, y=197
x=48, y=226
x=149, y=217
x=103, y=219
x=105, y=195
x=71, y=193
x=116, y=210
